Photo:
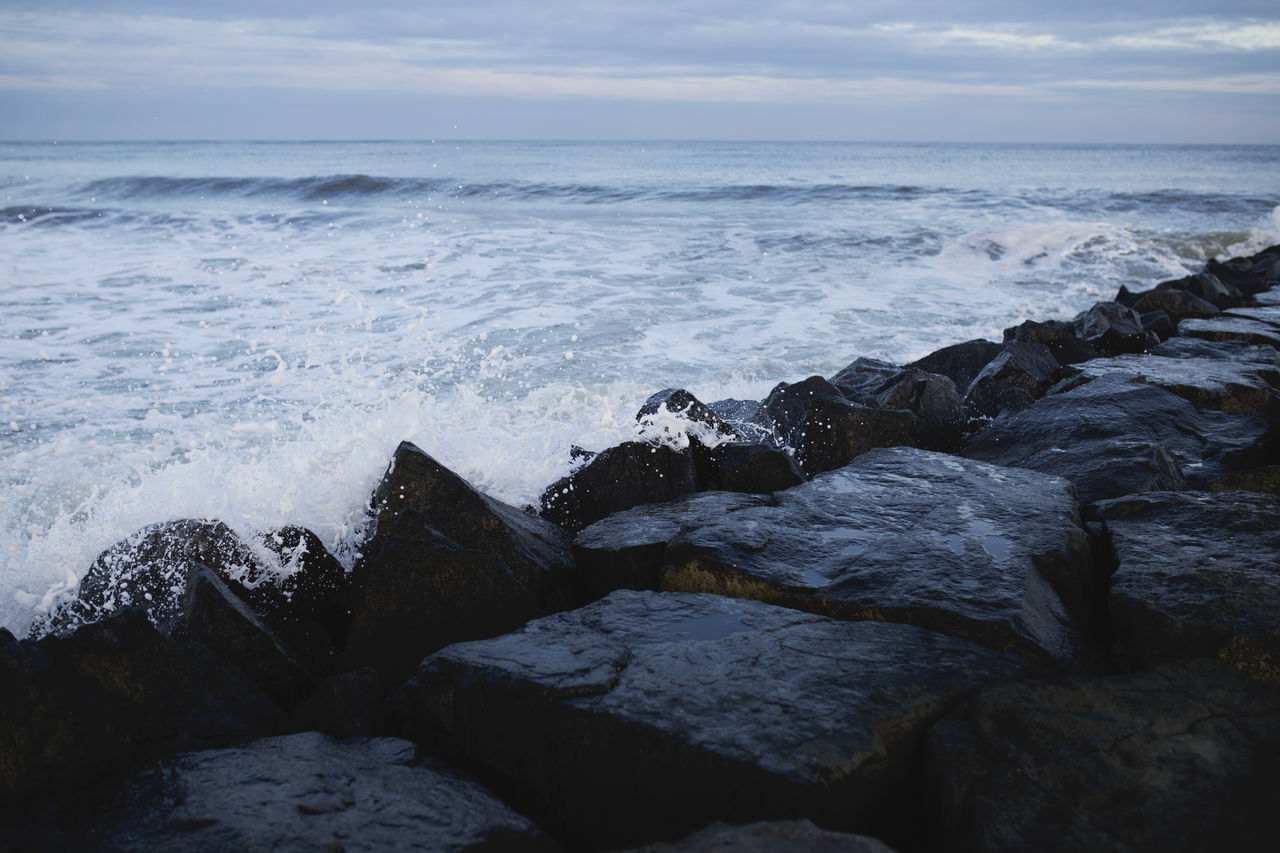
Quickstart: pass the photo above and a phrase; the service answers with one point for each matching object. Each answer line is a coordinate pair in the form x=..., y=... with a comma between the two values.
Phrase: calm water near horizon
x=245, y=331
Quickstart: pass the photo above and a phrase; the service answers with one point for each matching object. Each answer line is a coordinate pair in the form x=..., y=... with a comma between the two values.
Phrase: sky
x=1183, y=71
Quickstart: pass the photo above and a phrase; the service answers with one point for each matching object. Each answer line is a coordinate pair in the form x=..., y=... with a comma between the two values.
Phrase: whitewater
x=245, y=331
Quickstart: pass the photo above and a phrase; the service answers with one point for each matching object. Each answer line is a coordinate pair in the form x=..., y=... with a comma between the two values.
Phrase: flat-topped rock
x=1116, y=435
x=1180, y=347
x=1269, y=314
x=992, y=554
x=1237, y=387
x=1228, y=328
x=648, y=715
x=304, y=792
x=779, y=836
x=1181, y=758
x=1198, y=575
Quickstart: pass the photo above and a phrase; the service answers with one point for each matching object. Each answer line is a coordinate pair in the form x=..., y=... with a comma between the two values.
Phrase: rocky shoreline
x=1013, y=596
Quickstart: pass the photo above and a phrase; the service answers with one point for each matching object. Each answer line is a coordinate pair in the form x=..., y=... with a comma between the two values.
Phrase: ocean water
x=245, y=331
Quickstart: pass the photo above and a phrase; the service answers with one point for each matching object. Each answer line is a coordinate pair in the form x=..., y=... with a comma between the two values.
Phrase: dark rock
x=748, y=419
x=1209, y=383
x=1158, y=323
x=1013, y=380
x=1182, y=347
x=646, y=715
x=1265, y=479
x=619, y=478
x=859, y=381
x=346, y=704
x=1208, y=287
x=757, y=468
x=961, y=363
x=1179, y=305
x=1240, y=273
x=1198, y=575
x=1059, y=336
x=676, y=410
x=990, y=554
x=1227, y=328
x=1116, y=435
x=835, y=431
x=311, y=588
x=424, y=591
x=220, y=621
x=783, y=836
x=1182, y=758
x=535, y=552
x=1269, y=314
x=302, y=792
x=1111, y=328
x=931, y=396
x=788, y=405
x=111, y=695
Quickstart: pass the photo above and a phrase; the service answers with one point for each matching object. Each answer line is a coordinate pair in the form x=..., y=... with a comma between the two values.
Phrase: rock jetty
x=1017, y=595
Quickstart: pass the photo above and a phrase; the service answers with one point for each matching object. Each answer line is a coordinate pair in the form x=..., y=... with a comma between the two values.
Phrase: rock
x=1116, y=435
x=346, y=704
x=1181, y=758
x=1208, y=287
x=1111, y=328
x=858, y=382
x=1265, y=479
x=1198, y=575
x=111, y=695
x=312, y=590
x=747, y=418
x=1057, y=335
x=619, y=478
x=1181, y=347
x=1158, y=323
x=1227, y=328
x=961, y=363
x=1208, y=383
x=931, y=396
x=535, y=552
x=992, y=555
x=757, y=468
x=788, y=405
x=674, y=416
x=1240, y=273
x=424, y=591
x=1269, y=314
x=646, y=715
x=1179, y=305
x=302, y=792
x=1013, y=380
x=782, y=836
x=212, y=615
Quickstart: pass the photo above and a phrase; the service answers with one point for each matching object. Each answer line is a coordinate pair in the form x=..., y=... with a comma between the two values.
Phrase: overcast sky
x=1088, y=70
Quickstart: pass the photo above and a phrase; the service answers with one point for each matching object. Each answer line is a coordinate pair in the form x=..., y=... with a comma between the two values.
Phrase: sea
x=245, y=331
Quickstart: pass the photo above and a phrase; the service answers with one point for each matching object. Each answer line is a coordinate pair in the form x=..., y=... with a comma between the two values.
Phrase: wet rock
x=1269, y=314
x=675, y=413
x=931, y=396
x=302, y=792
x=1228, y=328
x=747, y=418
x=1158, y=323
x=1182, y=347
x=424, y=591
x=1179, y=305
x=961, y=363
x=212, y=615
x=1116, y=435
x=783, y=836
x=1208, y=383
x=1243, y=274
x=111, y=695
x=859, y=381
x=1181, y=758
x=346, y=704
x=311, y=589
x=535, y=552
x=619, y=478
x=1059, y=336
x=1265, y=479
x=1013, y=380
x=788, y=405
x=1208, y=287
x=1198, y=575
x=993, y=555
x=757, y=468
x=646, y=715
x=1111, y=328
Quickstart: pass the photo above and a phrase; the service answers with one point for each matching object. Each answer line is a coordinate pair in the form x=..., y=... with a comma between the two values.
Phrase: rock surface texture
x=647, y=715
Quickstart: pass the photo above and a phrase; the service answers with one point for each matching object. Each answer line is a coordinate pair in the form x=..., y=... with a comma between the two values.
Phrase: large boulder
x=1182, y=758
x=627, y=475
x=1111, y=328
x=1208, y=287
x=1013, y=380
x=778, y=836
x=648, y=715
x=1216, y=384
x=113, y=694
x=1058, y=335
x=961, y=363
x=1198, y=575
x=1268, y=314
x=1230, y=328
x=302, y=792
x=990, y=554
x=675, y=416
x=1117, y=434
